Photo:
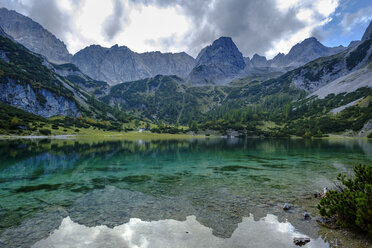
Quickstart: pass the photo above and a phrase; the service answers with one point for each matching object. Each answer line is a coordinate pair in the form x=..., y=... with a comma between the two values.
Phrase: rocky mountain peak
x=33, y=36
x=306, y=51
x=368, y=33
x=222, y=51
x=218, y=63
x=308, y=44
x=259, y=61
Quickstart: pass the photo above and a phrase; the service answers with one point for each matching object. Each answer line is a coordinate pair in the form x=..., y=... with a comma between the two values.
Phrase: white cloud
x=314, y=14
x=153, y=23
x=349, y=21
x=135, y=26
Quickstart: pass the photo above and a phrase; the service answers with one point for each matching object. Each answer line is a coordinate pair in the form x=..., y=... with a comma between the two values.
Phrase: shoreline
x=119, y=136
x=149, y=135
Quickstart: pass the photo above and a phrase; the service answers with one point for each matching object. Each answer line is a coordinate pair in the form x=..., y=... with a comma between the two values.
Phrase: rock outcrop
x=368, y=33
x=25, y=98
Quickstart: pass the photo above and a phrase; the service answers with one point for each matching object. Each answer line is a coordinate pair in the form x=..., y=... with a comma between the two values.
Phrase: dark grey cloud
x=114, y=23
x=252, y=24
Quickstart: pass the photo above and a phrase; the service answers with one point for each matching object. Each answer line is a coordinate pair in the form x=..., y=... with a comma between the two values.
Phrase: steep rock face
x=179, y=64
x=259, y=61
x=119, y=64
x=218, y=63
x=33, y=36
x=368, y=33
x=3, y=34
x=113, y=65
x=25, y=98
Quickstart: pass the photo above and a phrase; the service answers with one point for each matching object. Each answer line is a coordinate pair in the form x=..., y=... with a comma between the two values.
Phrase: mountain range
x=114, y=84
x=119, y=64
x=218, y=63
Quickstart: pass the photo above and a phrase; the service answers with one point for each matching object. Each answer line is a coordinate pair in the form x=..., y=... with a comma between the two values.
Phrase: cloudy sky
x=265, y=27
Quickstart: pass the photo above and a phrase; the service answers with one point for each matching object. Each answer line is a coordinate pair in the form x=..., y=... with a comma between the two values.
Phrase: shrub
x=45, y=131
x=351, y=204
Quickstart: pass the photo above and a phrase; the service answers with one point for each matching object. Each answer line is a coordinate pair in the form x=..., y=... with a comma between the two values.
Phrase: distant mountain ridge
x=120, y=64
x=33, y=36
x=304, y=52
x=222, y=61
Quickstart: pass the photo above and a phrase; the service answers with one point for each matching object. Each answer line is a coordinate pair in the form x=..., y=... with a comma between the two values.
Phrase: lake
x=171, y=193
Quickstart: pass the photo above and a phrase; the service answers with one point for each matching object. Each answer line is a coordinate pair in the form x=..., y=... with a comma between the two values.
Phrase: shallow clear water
x=219, y=186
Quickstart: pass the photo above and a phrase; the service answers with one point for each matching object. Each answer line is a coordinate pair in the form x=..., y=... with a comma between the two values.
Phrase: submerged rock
x=327, y=222
x=306, y=216
x=287, y=206
x=301, y=241
x=317, y=194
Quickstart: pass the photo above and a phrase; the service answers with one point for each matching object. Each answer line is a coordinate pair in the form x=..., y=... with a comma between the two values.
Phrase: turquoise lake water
x=170, y=193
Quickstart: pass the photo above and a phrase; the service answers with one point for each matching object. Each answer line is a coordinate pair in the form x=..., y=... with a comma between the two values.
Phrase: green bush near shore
x=351, y=204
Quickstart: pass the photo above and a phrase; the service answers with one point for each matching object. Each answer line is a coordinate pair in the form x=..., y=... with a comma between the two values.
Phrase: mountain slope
x=28, y=82
x=33, y=36
x=25, y=83
x=74, y=75
x=322, y=71
x=348, y=83
x=119, y=64
x=3, y=34
x=218, y=63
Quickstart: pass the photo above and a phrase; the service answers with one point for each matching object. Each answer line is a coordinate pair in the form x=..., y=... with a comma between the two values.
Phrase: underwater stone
x=306, y=215
x=287, y=206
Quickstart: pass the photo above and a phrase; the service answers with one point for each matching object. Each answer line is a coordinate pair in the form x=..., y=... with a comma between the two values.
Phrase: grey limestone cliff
x=25, y=98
